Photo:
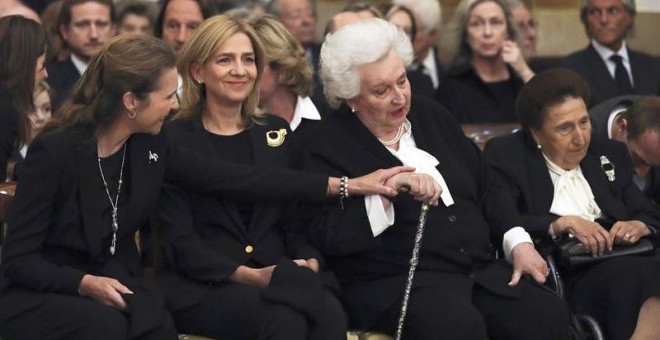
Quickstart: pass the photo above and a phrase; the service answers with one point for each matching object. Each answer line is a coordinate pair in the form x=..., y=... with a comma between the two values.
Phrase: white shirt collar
x=605, y=52
x=305, y=108
x=80, y=65
x=610, y=120
x=430, y=67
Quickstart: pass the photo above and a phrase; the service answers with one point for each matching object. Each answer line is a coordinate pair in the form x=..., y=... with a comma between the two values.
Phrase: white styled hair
x=363, y=42
x=428, y=11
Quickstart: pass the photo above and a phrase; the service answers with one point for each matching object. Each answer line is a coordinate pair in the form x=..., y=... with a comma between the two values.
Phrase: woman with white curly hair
x=460, y=291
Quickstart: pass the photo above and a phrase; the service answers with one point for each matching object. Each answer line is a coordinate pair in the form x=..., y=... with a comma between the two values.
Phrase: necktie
x=621, y=75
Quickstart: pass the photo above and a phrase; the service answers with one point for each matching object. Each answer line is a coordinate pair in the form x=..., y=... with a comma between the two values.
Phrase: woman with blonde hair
x=486, y=68
x=287, y=80
x=238, y=268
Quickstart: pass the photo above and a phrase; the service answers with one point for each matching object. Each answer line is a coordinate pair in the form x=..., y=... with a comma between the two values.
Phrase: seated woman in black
x=461, y=291
x=566, y=183
x=233, y=266
x=70, y=265
x=485, y=67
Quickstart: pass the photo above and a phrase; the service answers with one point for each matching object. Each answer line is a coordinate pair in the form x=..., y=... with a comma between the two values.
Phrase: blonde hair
x=456, y=50
x=285, y=53
x=204, y=41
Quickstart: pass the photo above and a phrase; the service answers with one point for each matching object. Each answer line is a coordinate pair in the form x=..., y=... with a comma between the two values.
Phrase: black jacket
x=458, y=242
x=589, y=64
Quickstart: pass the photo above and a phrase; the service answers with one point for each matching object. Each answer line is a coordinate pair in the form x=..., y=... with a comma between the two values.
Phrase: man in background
x=85, y=26
x=609, y=66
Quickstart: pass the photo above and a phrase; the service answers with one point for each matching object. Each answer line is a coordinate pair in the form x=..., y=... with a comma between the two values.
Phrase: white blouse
x=572, y=195
x=409, y=154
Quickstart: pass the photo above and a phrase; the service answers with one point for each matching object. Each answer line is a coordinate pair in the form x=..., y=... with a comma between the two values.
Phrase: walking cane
x=414, y=259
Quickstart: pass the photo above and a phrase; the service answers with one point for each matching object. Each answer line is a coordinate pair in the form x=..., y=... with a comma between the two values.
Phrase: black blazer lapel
x=93, y=199
x=601, y=78
x=145, y=175
x=362, y=138
x=540, y=189
x=265, y=155
x=600, y=185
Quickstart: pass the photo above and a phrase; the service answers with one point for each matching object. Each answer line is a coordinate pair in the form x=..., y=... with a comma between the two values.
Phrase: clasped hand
x=596, y=238
x=421, y=186
x=105, y=290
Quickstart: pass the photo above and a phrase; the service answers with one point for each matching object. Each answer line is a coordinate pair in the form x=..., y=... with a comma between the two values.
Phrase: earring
x=538, y=146
x=353, y=109
x=200, y=82
x=132, y=114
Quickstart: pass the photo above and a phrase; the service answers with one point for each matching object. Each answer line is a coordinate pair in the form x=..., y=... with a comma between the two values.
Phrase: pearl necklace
x=403, y=128
x=114, y=204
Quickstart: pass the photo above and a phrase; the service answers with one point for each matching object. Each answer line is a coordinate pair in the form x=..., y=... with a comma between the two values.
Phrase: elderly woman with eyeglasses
x=460, y=290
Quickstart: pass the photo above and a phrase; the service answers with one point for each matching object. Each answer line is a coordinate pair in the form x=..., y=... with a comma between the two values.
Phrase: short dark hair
x=547, y=89
x=643, y=115
x=136, y=7
x=65, y=12
x=208, y=8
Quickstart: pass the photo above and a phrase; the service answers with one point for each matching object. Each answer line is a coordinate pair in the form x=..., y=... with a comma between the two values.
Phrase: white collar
x=605, y=52
x=429, y=65
x=80, y=65
x=305, y=108
x=610, y=120
x=556, y=169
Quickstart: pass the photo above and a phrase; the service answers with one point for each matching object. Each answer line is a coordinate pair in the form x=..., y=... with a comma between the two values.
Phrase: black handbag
x=572, y=254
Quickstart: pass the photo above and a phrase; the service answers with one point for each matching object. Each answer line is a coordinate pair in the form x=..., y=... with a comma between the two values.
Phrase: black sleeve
x=193, y=171
x=32, y=216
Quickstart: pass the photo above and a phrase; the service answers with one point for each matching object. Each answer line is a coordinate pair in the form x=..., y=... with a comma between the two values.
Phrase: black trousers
x=614, y=291
x=237, y=311
x=75, y=317
x=434, y=313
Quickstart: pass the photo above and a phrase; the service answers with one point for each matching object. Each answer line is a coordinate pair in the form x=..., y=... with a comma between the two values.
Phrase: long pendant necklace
x=403, y=128
x=114, y=204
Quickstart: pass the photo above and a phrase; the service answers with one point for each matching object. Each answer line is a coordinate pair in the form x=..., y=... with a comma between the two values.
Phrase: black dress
x=473, y=101
x=207, y=237
x=614, y=290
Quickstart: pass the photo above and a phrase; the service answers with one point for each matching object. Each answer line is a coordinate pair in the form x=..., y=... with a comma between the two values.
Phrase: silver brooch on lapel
x=275, y=138
x=608, y=168
x=153, y=157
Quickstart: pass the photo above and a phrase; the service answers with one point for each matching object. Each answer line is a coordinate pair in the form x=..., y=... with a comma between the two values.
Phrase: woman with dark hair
x=486, y=68
x=70, y=264
x=22, y=55
x=567, y=184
